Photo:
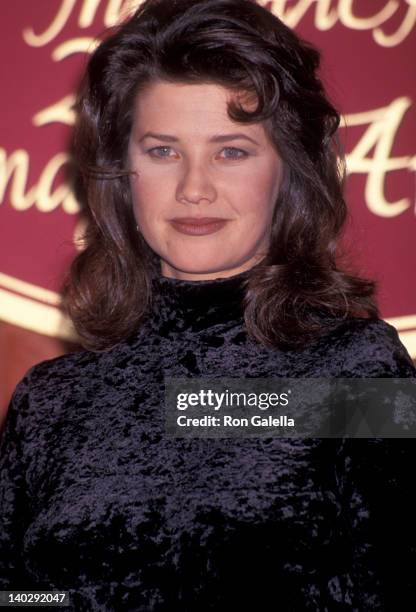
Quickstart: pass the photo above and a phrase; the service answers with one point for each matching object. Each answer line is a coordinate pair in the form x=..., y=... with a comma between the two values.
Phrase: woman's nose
x=196, y=185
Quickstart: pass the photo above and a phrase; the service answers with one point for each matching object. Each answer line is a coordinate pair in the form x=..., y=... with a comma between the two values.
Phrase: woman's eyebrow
x=216, y=138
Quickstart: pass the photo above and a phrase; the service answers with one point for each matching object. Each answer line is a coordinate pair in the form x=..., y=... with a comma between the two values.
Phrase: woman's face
x=191, y=161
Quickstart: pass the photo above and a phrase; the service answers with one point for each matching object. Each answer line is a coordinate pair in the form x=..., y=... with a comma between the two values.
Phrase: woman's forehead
x=204, y=104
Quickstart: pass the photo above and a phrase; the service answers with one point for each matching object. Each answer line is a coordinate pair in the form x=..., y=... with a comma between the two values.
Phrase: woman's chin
x=187, y=269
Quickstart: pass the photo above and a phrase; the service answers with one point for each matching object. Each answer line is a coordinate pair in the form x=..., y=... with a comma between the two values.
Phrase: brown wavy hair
x=298, y=291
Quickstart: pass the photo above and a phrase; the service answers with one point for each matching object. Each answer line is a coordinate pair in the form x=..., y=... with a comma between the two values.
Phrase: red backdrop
x=368, y=51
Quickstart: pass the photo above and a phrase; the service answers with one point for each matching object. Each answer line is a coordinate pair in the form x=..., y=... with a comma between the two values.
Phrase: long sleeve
x=13, y=494
x=376, y=481
x=139, y=521
x=376, y=523
x=372, y=349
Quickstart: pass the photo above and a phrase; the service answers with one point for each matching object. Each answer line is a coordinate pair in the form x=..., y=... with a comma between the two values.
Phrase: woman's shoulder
x=367, y=347
x=63, y=368
x=366, y=330
x=48, y=381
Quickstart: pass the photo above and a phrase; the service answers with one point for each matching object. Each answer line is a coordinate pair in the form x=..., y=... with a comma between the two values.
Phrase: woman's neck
x=198, y=304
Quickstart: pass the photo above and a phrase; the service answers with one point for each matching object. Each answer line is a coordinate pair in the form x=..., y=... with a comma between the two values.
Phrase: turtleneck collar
x=197, y=304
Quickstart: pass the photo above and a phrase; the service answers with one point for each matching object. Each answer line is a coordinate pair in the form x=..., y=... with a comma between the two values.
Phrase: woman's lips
x=198, y=227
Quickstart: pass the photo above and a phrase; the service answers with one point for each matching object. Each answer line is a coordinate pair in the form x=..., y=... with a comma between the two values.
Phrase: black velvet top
x=97, y=501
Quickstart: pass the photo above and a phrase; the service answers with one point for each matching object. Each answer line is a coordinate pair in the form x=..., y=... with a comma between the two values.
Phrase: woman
x=214, y=198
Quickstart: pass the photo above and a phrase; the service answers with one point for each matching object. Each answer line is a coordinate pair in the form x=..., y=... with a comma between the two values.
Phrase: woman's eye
x=235, y=153
x=159, y=152
x=230, y=152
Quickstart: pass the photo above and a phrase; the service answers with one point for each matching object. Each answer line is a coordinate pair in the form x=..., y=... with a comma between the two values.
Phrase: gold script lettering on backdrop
x=326, y=15
x=382, y=123
x=382, y=126
x=14, y=171
x=116, y=11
